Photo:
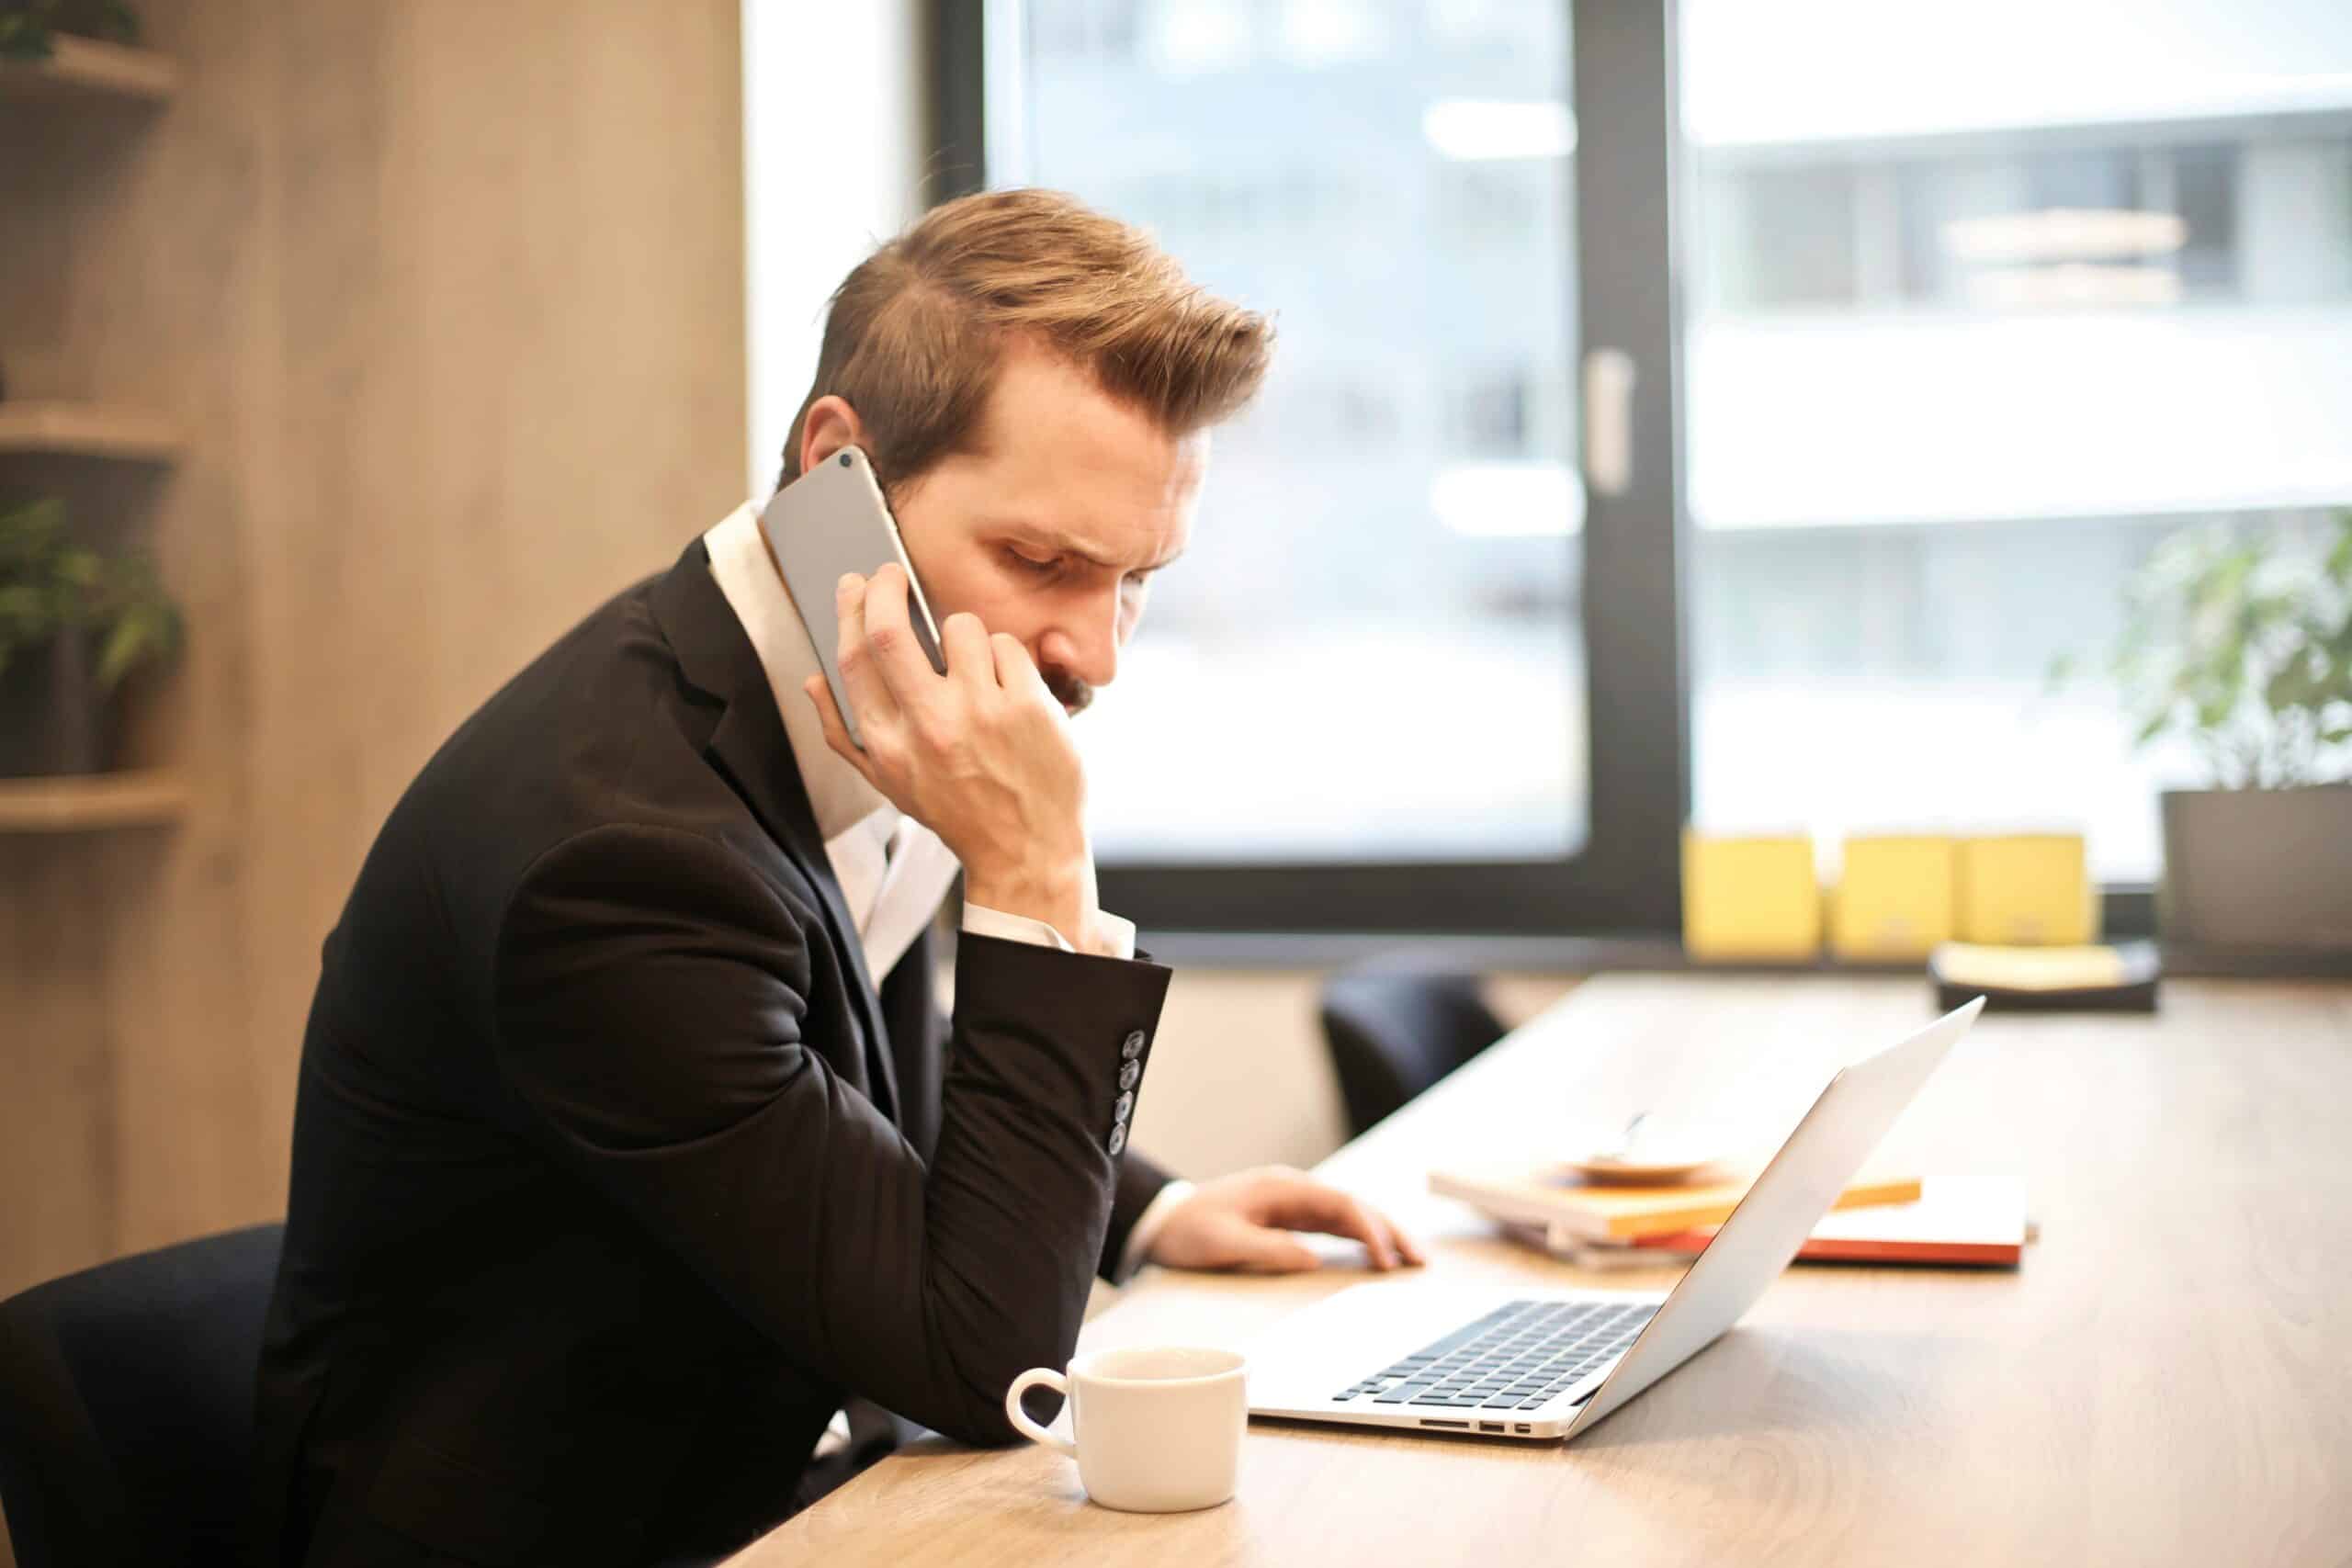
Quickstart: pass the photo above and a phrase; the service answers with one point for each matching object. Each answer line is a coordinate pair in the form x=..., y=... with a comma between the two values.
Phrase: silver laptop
x=1543, y=1365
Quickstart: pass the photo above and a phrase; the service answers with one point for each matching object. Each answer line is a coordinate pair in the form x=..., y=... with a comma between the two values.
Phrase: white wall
x=1239, y=1075
x=833, y=165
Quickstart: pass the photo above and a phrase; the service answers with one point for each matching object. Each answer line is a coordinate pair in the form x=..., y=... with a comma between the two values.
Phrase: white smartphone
x=830, y=522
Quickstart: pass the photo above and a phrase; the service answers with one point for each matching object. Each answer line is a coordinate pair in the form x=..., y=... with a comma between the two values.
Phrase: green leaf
x=79, y=569
x=2291, y=687
x=48, y=583
x=116, y=654
x=28, y=535
x=24, y=38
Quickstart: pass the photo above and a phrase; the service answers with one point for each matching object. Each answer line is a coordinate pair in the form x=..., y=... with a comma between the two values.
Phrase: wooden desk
x=2167, y=1379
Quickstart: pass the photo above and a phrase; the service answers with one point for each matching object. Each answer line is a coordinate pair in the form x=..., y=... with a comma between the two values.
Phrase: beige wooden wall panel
x=119, y=282
x=450, y=300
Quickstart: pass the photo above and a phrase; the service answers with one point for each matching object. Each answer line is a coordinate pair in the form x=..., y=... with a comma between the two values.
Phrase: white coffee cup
x=1158, y=1431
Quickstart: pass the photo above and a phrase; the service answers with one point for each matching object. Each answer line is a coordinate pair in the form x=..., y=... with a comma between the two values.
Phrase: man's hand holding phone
x=981, y=755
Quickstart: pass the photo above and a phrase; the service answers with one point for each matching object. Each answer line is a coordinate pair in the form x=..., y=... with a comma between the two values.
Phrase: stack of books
x=1973, y=1223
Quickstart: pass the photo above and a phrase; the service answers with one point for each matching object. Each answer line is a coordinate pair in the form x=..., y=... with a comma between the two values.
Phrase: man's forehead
x=1064, y=461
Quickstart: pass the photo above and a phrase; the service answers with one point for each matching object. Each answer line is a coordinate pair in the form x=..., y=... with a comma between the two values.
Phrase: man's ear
x=830, y=425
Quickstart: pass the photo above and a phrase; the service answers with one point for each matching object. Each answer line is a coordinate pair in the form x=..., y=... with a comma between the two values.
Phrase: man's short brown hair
x=914, y=332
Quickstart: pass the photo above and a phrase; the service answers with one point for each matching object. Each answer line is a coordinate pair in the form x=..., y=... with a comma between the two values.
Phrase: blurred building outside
x=1977, y=307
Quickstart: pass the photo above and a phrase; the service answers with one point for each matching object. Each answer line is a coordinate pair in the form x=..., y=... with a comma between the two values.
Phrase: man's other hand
x=1244, y=1221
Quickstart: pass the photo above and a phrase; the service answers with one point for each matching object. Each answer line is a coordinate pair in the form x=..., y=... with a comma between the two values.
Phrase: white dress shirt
x=893, y=870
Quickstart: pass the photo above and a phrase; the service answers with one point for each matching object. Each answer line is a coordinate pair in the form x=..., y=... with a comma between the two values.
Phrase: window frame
x=1627, y=875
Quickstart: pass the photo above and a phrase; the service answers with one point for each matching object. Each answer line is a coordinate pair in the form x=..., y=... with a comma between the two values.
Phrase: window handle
x=1609, y=377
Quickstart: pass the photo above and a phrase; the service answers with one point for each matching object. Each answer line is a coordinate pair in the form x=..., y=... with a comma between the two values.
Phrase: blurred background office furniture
x=127, y=1406
x=1856, y=1415
x=1393, y=1032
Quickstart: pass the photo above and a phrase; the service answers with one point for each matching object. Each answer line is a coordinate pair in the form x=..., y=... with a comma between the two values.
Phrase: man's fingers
x=836, y=732
x=965, y=643
x=1311, y=1205
x=1015, y=671
x=1265, y=1251
x=1401, y=1245
x=868, y=692
x=890, y=632
x=1303, y=1205
x=1407, y=1248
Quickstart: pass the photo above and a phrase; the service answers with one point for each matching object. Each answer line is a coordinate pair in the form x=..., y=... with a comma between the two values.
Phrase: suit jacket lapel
x=717, y=657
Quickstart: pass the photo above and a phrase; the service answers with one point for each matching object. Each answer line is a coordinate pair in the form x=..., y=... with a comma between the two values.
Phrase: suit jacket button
x=1123, y=1108
x=1118, y=1138
x=1133, y=1046
x=1130, y=1074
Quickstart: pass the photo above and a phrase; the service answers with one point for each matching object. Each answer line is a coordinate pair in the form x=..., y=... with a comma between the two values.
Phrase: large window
x=1926, y=324
x=1364, y=697
x=1379, y=609
x=1986, y=300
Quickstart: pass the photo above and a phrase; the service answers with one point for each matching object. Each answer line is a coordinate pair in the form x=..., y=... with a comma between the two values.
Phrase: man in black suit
x=630, y=1147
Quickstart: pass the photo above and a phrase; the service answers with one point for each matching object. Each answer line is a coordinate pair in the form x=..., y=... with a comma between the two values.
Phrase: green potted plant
x=73, y=626
x=2240, y=644
x=28, y=28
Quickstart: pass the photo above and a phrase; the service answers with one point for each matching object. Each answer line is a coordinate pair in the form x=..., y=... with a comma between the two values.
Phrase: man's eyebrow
x=1063, y=543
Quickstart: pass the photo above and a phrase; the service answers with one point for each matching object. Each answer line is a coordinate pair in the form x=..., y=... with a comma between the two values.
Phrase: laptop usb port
x=1523, y=1426
x=1491, y=1427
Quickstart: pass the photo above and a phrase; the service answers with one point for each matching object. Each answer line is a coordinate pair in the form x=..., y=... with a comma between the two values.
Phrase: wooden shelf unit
x=81, y=71
x=87, y=430
x=92, y=802
x=86, y=68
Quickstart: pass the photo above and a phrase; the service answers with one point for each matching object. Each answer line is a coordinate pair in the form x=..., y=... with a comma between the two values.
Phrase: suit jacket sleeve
x=1139, y=1183
x=651, y=991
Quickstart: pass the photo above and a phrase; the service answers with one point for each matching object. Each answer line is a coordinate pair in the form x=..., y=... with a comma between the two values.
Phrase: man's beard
x=1073, y=694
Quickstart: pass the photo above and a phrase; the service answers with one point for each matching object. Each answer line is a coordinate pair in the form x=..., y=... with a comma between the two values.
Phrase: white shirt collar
x=747, y=578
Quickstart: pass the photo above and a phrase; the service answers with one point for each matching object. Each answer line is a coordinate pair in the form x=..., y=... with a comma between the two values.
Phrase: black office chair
x=127, y=1406
x=1392, y=1032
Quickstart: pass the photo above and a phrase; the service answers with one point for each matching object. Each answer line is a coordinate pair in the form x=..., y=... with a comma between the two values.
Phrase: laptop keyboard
x=1515, y=1357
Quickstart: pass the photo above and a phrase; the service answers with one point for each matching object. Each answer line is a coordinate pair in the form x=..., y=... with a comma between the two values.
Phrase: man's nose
x=1087, y=646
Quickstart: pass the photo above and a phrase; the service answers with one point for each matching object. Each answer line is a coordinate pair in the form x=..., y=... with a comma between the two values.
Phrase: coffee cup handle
x=1031, y=1379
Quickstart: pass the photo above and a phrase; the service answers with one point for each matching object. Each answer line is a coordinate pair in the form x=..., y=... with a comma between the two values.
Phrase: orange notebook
x=1570, y=1210
x=1982, y=1224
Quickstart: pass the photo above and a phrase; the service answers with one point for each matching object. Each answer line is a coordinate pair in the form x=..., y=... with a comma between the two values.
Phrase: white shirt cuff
x=1148, y=1225
x=981, y=920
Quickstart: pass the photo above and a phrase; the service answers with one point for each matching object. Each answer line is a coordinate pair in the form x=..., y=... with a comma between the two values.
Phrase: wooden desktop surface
x=2168, y=1378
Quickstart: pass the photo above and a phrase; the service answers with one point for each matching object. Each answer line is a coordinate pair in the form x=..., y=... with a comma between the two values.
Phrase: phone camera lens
x=845, y=459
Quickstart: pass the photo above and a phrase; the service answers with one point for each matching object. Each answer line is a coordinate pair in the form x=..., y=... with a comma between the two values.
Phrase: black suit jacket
x=614, y=1175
